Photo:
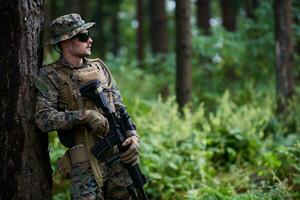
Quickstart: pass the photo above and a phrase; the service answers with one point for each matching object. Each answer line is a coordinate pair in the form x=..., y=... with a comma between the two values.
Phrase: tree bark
x=158, y=26
x=228, y=15
x=284, y=53
x=25, y=171
x=203, y=15
x=140, y=33
x=183, y=52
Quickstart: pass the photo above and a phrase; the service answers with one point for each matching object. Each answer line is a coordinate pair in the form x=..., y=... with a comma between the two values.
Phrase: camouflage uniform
x=54, y=112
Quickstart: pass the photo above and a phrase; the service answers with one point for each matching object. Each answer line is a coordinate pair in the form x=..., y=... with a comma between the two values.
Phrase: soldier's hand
x=96, y=122
x=131, y=156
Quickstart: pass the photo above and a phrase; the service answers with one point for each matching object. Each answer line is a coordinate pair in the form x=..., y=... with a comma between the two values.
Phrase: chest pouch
x=95, y=73
x=91, y=73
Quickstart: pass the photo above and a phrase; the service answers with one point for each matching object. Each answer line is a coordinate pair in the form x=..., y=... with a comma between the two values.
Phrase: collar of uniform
x=65, y=63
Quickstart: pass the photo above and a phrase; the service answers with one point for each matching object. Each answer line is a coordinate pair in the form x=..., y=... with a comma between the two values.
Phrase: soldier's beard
x=84, y=54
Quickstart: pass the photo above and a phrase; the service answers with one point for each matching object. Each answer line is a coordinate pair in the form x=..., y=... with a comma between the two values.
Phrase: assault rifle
x=118, y=134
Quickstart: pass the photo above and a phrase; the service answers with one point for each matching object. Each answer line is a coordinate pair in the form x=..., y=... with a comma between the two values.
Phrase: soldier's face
x=81, y=44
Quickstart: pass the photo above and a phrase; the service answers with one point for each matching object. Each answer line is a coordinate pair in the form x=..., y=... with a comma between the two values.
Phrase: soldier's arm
x=116, y=93
x=47, y=117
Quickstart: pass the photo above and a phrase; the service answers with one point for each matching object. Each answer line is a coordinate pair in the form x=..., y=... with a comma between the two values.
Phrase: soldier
x=76, y=119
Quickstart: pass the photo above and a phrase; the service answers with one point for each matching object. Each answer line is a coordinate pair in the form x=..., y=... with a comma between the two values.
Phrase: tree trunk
x=158, y=26
x=140, y=33
x=25, y=171
x=251, y=5
x=71, y=6
x=159, y=38
x=296, y=20
x=183, y=52
x=101, y=43
x=50, y=8
x=284, y=53
x=76, y=6
x=203, y=15
x=83, y=9
x=115, y=27
x=116, y=34
x=228, y=14
x=57, y=8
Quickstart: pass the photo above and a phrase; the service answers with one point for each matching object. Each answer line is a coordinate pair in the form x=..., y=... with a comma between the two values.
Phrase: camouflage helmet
x=67, y=26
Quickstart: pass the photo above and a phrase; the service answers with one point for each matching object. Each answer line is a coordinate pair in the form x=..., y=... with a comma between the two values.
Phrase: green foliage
x=222, y=153
x=235, y=132
x=173, y=151
x=183, y=155
x=60, y=186
x=235, y=60
x=151, y=80
x=291, y=120
x=228, y=144
x=289, y=170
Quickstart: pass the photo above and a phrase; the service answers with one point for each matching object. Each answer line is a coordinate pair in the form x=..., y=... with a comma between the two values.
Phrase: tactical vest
x=69, y=98
x=78, y=139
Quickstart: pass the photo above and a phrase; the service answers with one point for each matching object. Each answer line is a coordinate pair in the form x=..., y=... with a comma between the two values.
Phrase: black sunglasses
x=82, y=37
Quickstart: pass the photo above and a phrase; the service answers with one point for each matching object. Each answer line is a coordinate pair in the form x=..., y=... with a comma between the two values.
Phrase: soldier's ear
x=64, y=44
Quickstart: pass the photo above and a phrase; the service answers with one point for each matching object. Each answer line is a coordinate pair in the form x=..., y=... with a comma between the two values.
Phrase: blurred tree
x=183, y=52
x=159, y=37
x=203, y=15
x=49, y=9
x=115, y=29
x=76, y=6
x=83, y=8
x=140, y=40
x=53, y=9
x=100, y=19
x=251, y=5
x=25, y=171
x=107, y=34
x=50, y=6
x=228, y=14
x=158, y=26
x=296, y=22
x=284, y=53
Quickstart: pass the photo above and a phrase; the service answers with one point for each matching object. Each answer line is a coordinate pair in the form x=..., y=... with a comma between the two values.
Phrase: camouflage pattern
x=47, y=116
x=53, y=112
x=116, y=178
x=67, y=26
x=84, y=186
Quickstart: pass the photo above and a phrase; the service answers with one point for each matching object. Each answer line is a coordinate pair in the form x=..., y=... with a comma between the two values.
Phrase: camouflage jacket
x=48, y=115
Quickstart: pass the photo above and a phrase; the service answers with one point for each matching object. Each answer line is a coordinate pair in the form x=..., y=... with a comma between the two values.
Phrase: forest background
x=212, y=86
x=228, y=141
